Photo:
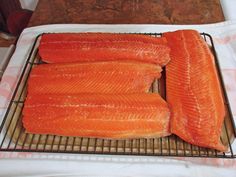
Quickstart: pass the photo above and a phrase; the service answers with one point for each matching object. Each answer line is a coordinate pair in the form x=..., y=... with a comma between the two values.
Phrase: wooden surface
x=127, y=12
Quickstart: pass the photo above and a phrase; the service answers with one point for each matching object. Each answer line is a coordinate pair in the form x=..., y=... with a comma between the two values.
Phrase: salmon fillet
x=92, y=77
x=116, y=116
x=193, y=90
x=84, y=47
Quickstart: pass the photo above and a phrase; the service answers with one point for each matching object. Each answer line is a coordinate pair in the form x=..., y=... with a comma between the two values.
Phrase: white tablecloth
x=36, y=164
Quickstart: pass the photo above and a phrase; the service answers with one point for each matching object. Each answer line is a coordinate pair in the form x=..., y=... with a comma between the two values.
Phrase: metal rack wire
x=14, y=138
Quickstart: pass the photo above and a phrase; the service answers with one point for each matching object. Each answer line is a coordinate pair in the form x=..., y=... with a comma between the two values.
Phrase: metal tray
x=14, y=138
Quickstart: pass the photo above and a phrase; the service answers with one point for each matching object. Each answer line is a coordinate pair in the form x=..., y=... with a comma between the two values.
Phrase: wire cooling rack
x=13, y=136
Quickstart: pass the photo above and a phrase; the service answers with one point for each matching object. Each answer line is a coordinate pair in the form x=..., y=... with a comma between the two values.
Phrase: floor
x=4, y=52
x=6, y=43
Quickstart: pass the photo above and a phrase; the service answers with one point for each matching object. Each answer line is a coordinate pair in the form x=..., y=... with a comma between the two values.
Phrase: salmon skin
x=119, y=116
x=92, y=77
x=85, y=47
x=193, y=90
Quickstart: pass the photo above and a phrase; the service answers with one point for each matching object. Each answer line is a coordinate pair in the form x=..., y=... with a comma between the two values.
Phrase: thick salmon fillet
x=116, y=116
x=92, y=77
x=193, y=90
x=84, y=47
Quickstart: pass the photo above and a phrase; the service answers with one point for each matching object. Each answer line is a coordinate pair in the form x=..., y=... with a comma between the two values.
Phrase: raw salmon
x=101, y=37
x=84, y=47
x=116, y=116
x=93, y=77
x=193, y=90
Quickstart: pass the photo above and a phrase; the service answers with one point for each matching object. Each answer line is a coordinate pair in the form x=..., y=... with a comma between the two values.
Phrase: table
x=127, y=12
